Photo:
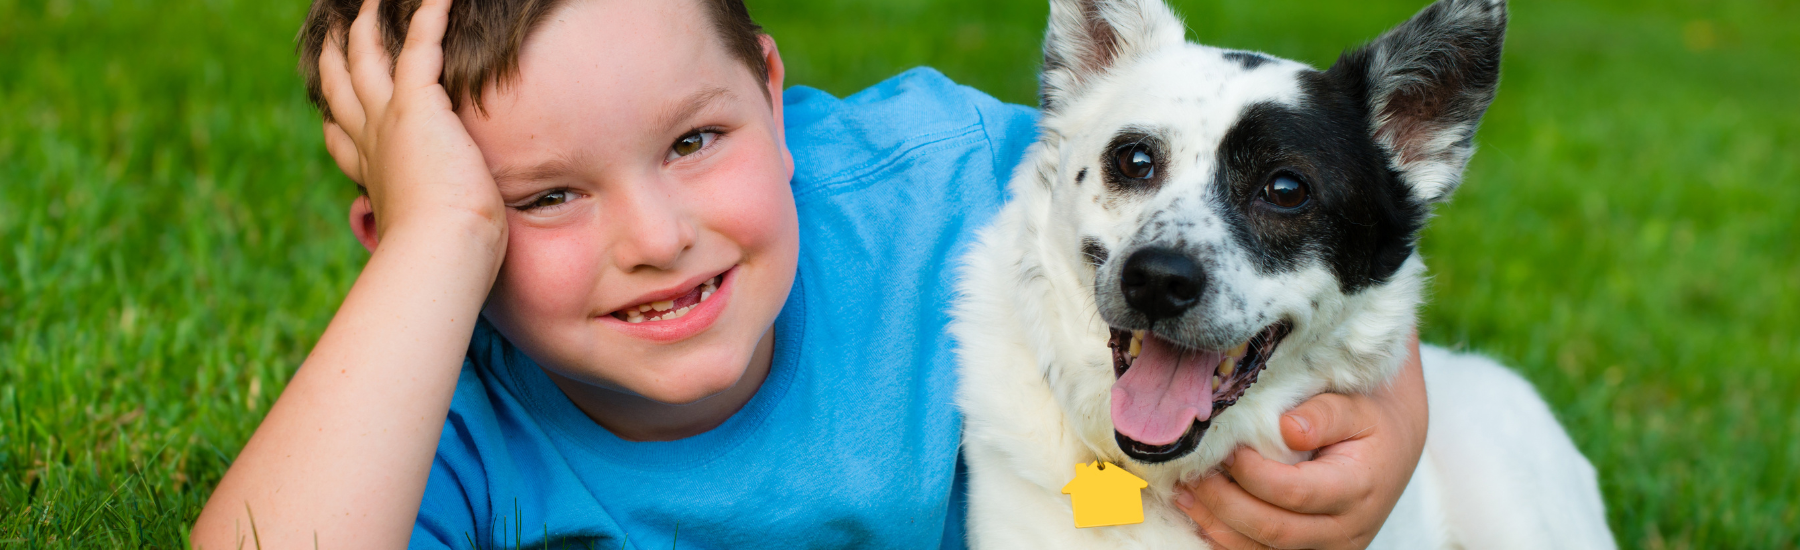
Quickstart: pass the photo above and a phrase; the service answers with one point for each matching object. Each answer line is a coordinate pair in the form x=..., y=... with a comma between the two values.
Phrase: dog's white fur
x=1036, y=376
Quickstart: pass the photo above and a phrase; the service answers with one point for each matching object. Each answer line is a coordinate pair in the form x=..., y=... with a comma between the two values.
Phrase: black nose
x=1161, y=283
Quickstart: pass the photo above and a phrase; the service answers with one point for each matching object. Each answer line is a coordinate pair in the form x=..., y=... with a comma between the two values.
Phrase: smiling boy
x=621, y=285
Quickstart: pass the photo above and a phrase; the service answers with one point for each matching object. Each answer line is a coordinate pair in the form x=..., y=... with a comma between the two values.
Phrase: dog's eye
x=1136, y=161
x=1285, y=191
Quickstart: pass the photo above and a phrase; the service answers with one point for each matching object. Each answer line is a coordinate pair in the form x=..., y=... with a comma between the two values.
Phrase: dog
x=1203, y=238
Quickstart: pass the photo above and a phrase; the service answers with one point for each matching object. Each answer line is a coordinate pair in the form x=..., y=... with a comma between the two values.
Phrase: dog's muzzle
x=1161, y=411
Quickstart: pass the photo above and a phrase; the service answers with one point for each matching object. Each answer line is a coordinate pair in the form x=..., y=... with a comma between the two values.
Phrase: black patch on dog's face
x=1081, y=176
x=1250, y=61
x=1094, y=252
x=1358, y=219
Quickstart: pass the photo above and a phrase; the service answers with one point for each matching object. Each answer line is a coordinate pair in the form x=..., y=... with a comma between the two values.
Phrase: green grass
x=172, y=236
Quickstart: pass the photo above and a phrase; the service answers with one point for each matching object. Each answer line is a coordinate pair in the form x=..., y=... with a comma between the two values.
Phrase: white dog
x=1202, y=239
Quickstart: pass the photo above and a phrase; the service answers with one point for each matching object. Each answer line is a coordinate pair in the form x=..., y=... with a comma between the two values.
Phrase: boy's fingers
x=1325, y=486
x=1260, y=521
x=1327, y=419
x=1215, y=531
x=334, y=82
x=343, y=150
x=368, y=60
x=422, y=59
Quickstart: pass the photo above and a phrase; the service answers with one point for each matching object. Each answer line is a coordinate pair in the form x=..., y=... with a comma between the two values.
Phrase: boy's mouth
x=671, y=309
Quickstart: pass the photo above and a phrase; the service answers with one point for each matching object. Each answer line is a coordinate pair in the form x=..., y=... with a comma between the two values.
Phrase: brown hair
x=484, y=38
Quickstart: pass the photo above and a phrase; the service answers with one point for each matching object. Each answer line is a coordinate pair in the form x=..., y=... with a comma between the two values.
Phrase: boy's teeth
x=661, y=311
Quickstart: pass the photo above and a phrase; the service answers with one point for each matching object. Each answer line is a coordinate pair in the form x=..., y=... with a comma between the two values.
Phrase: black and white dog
x=1203, y=238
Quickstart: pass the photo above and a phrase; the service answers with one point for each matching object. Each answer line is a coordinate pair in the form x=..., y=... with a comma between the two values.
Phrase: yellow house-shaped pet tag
x=1105, y=494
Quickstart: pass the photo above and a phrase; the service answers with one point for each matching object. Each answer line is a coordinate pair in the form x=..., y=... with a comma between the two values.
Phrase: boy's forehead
x=618, y=70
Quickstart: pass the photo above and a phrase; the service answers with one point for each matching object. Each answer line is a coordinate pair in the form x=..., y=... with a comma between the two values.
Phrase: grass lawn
x=172, y=235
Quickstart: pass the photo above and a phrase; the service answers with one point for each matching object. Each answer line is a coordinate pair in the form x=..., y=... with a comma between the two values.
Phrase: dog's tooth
x=1217, y=382
x=1137, y=346
x=1239, y=350
x=1227, y=366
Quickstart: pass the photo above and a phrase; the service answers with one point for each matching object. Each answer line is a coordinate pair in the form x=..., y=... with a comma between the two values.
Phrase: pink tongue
x=1165, y=390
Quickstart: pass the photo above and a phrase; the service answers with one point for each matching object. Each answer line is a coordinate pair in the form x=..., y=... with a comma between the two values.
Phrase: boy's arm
x=1368, y=446
x=342, y=458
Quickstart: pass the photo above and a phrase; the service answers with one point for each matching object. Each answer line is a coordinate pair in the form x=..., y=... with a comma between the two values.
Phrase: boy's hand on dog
x=398, y=137
x=1367, y=448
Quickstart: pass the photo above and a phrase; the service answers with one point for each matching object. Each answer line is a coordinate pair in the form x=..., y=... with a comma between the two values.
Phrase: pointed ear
x=1087, y=38
x=1427, y=83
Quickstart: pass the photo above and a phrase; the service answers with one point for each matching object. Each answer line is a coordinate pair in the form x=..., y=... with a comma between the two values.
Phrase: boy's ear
x=362, y=223
x=1427, y=83
x=1088, y=38
x=777, y=72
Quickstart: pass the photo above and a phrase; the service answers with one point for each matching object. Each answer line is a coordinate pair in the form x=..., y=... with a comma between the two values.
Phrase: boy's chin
x=686, y=379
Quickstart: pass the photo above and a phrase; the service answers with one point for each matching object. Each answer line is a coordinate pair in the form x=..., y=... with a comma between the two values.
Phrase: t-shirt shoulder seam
x=861, y=174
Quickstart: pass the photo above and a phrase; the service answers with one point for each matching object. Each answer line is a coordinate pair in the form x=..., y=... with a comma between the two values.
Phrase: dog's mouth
x=1166, y=395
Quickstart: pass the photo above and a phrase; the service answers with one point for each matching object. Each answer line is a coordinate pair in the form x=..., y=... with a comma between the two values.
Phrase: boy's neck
x=635, y=418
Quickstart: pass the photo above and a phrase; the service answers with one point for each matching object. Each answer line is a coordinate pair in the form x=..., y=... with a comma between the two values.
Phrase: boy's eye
x=552, y=198
x=691, y=143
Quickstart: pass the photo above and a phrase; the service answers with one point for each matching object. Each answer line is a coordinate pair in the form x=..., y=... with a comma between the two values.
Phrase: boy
x=666, y=351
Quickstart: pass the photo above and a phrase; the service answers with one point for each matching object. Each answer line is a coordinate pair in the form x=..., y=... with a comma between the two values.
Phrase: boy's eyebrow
x=693, y=104
x=547, y=170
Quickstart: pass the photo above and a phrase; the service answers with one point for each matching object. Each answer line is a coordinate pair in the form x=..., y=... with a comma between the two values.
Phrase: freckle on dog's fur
x=1331, y=285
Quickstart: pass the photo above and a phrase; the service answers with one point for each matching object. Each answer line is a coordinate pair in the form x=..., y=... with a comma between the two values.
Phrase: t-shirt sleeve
x=1011, y=129
x=447, y=512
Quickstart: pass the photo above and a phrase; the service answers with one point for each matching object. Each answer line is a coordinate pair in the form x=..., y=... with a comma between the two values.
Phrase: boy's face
x=641, y=165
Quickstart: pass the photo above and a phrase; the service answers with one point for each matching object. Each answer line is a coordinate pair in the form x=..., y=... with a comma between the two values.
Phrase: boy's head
x=639, y=148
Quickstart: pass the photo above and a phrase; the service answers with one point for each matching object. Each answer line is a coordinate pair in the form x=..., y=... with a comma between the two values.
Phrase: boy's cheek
x=751, y=202
x=548, y=272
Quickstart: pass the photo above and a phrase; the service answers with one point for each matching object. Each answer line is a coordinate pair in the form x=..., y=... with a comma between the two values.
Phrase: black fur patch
x=1359, y=219
x=1094, y=252
x=1081, y=176
x=1250, y=61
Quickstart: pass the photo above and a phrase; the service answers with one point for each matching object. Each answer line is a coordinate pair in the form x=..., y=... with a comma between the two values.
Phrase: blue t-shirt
x=851, y=442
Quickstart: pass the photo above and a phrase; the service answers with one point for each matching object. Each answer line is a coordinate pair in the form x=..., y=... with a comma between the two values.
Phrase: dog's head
x=1229, y=202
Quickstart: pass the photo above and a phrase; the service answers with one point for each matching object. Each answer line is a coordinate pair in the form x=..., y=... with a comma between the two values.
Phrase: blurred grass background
x=172, y=237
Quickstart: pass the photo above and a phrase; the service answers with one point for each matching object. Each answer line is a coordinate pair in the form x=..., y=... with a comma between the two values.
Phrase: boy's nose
x=654, y=232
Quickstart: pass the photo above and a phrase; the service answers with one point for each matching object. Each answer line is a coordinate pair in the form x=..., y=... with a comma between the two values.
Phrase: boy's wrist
x=455, y=239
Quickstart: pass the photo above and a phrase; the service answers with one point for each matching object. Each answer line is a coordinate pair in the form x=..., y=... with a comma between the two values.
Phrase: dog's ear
x=1427, y=84
x=1087, y=38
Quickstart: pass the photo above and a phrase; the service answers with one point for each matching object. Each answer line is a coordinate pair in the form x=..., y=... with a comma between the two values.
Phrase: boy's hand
x=397, y=136
x=1367, y=448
